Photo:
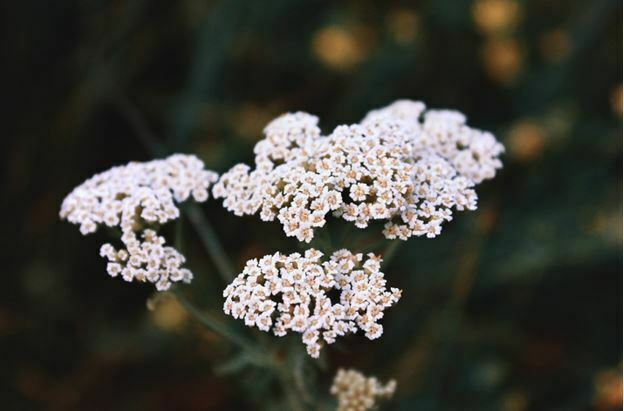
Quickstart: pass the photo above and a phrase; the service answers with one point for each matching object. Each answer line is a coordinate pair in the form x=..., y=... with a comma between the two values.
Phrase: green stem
x=391, y=251
x=298, y=375
x=213, y=246
x=179, y=234
x=217, y=327
x=211, y=242
x=137, y=122
x=200, y=223
x=287, y=383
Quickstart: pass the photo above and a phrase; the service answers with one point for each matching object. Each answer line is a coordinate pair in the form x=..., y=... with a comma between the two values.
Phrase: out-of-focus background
x=516, y=306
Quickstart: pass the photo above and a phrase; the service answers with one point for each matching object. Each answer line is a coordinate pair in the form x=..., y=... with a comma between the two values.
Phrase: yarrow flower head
x=356, y=392
x=473, y=153
x=138, y=198
x=391, y=167
x=286, y=293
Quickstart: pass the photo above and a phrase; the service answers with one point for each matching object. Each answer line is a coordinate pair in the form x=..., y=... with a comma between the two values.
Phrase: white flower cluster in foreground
x=391, y=167
x=356, y=392
x=138, y=198
x=291, y=293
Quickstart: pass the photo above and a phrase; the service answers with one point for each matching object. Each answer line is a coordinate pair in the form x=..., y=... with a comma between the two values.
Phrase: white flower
x=392, y=167
x=472, y=152
x=286, y=138
x=356, y=392
x=298, y=288
x=136, y=198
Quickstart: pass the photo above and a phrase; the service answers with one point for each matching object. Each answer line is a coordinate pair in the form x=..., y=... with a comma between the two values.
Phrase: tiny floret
x=138, y=198
x=291, y=293
x=356, y=392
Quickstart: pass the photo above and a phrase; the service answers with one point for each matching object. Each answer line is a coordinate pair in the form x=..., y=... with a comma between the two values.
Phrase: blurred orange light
x=338, y=47
x=495, y=16
x=502, y=59
x=608, y=390
x=250, y=120
x=526, y=140
x=402, y=25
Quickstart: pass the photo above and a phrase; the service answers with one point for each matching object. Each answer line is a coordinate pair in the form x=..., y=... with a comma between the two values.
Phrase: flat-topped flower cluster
x=291, y=293
x=356, y=392
x=473, y=153
x=395, y=166
x=138, y=198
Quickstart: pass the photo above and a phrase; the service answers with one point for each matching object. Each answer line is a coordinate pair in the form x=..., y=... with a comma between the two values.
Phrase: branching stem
x=220, y=329
x=211, y=242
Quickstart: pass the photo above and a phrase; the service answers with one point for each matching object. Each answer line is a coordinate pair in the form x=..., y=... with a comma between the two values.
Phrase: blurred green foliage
x=515, y=307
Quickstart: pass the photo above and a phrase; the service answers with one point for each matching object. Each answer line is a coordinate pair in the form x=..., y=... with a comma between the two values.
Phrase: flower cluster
x=138, y=198
x=473, y=153
x=356, y=392
x=146, y=259
x=390, y=167
x=292, y=293
x=437, y=190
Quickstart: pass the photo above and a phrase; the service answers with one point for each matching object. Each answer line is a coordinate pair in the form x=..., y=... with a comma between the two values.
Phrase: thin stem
x=391, y=250
x=286, y=374
x=286, y=382
x=179, y=234
x=214, y=248
x=203, y=227
x=137, y=123
x=217, y=327
x=211, y=242
x=298, y=374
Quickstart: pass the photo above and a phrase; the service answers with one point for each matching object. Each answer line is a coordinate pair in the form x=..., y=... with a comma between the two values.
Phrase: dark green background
x=517, y=306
